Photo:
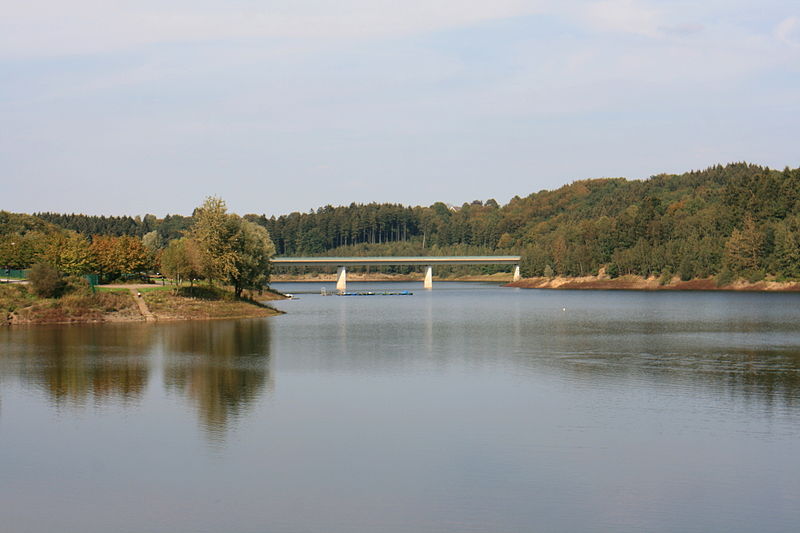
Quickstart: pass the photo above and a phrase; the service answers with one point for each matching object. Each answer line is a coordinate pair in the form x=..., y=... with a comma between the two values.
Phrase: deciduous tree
x=182, y=260
x=214, y=231
x=253, y=249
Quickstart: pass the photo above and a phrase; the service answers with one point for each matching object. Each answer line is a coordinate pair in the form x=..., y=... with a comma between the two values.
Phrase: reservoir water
x=471, y=407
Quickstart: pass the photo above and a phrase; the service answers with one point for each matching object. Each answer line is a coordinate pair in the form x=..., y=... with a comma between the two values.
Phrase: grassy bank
x=206, y=303
x=19, y=305
x=653, y=284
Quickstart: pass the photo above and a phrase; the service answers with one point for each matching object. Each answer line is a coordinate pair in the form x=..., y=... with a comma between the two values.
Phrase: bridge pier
x=341, y=278
x=517, y=277
x=428, y=283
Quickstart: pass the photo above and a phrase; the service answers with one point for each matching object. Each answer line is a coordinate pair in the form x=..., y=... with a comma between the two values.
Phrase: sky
x=131, y=107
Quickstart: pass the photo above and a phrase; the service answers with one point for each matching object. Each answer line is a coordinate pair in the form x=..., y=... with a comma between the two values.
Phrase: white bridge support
x=428, y=283
x=341, y=279
x=517, y=277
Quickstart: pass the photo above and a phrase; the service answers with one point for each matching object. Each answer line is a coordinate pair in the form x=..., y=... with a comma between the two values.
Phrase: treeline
x=170, y=227
x=475, y=224
x=733, y=220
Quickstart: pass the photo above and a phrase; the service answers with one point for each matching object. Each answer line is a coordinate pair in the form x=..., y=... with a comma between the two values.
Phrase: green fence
x=10, y=273
x=93, y=279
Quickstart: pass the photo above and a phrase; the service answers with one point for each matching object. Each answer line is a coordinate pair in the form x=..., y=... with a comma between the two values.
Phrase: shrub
x=725, y=277
x=77, y=285
x=13, y=296
x=666, y=277
x=46, y=281
x=756, y=276
x=612, y=270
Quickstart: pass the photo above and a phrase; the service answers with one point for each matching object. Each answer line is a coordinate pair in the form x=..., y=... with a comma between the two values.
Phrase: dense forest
x=738, y=220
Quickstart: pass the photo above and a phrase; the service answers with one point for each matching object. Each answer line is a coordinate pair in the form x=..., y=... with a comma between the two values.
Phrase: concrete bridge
x=341, y=264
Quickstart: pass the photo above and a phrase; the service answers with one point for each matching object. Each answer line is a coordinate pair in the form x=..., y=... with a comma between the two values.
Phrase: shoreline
x=132, y=320
x=163, y=306
x=120, y=304
x=638, y=283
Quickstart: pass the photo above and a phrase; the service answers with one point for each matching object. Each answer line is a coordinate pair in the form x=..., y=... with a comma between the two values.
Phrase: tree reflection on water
x=81, y=365
x=221, y=369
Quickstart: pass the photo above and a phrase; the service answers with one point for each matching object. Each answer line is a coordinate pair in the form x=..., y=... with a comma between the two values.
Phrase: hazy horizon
x=136, y=107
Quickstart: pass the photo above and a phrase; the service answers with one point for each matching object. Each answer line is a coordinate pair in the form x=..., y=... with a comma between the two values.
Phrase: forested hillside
x=734, y=220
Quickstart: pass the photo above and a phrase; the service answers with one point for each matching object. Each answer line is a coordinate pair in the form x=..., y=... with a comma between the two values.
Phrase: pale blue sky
x=121, y=107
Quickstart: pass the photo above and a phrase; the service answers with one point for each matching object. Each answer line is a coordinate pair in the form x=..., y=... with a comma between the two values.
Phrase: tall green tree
x=182, y=260
x=787, y=252
x=232, y=249
x=253, y=249
x=214, y=230
x=743, y=248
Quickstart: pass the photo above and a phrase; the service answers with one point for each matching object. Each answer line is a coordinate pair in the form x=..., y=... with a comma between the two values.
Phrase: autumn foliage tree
x=116, y=256
x=69, y=253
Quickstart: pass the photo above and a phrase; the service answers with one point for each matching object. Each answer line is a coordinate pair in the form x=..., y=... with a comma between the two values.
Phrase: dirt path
x=143, y=309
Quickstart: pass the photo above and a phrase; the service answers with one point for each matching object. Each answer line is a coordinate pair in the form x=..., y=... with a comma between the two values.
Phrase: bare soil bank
x=639, y=283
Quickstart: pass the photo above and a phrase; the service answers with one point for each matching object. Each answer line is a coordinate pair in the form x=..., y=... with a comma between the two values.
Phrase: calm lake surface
x=467, y=408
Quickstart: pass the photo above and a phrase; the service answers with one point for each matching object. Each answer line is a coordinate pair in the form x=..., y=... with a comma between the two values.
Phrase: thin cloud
x=47, y=27
x=682, y=29
x=788, y=31
x=627, y=16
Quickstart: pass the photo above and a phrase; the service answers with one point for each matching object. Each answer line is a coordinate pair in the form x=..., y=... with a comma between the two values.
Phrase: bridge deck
x=420, y=261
